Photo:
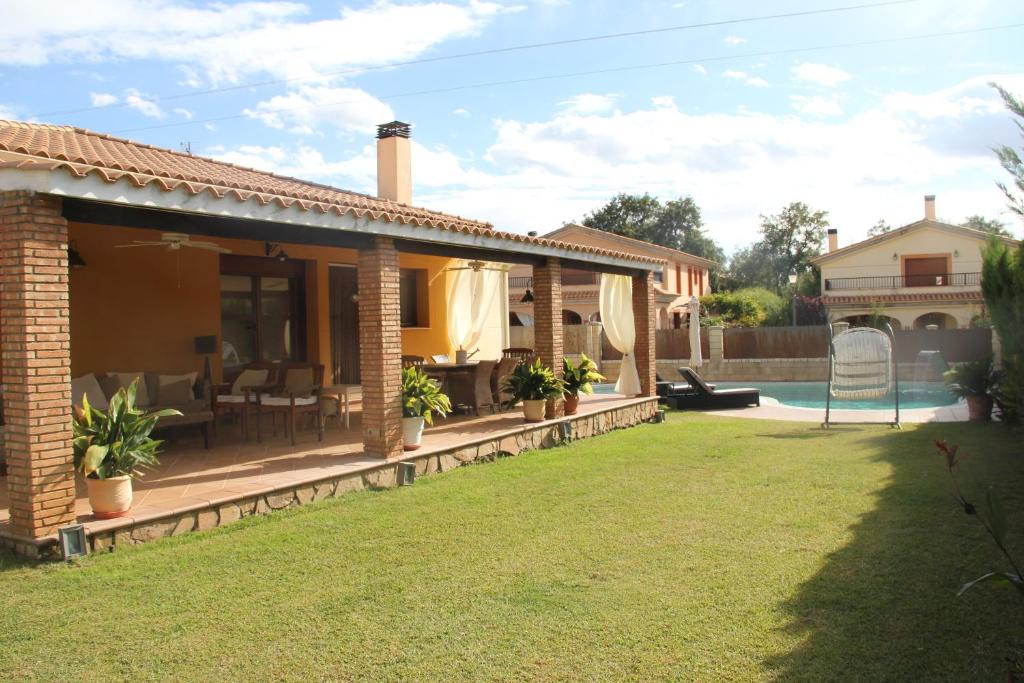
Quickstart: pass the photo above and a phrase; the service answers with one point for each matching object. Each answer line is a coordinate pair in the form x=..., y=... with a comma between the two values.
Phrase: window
x=412, y=297
x=659, y=276
x=262, y=310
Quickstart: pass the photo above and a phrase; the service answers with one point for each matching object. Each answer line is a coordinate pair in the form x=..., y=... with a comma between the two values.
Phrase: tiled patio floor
x=190, y=477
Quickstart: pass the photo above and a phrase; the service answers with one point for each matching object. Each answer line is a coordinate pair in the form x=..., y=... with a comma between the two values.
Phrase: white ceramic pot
x=412, y=432
x=111, y=497
x=533, y=411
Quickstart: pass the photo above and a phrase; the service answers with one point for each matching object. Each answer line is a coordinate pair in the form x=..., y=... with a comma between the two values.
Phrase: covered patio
x=353, y=283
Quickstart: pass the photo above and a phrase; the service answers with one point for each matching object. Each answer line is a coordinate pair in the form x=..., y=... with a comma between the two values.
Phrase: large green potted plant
x=421, y=398
x=110, y=447
x=974, y=381
x=577, y=378
x=533, y=384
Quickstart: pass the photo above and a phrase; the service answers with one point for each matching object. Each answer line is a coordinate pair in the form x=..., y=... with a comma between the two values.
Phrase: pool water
x=812, y=395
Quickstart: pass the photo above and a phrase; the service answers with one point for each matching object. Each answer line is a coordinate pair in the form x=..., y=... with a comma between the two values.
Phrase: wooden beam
x=100, y=213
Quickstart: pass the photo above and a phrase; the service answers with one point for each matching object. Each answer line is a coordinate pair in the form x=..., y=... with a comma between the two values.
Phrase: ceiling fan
x=475, y=266
x=175, y=241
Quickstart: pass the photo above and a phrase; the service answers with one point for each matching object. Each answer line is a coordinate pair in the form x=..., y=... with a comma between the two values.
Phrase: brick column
x=716, y=343
x=36, y=359
x=643, y=320
x=380, y=349
x=547, y=313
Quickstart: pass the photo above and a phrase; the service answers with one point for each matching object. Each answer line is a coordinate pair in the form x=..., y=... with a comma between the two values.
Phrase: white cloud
x=7, y=113
x=308, y=107
x=734, y=40
x=817, y=105
x=227, y=43
x=460, y=111
x=877, y=163
x=102, y=99
x=755, y=81
x=701, y=69
x=588, y=103
x=184, y=113
x=144, y=104
x=820, y=74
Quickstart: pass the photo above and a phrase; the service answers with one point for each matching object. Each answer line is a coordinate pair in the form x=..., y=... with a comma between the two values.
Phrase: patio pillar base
x=644, y=322
x=380, y=348
x=547, y=311
x=36, y=360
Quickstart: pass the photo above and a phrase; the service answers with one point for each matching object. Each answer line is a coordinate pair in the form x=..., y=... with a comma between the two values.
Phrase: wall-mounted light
x=275, y=250
x=956, y=253
x=895, y=256
x=527, y=297
x=406, y=473
x=75, y=259
x=72, y=541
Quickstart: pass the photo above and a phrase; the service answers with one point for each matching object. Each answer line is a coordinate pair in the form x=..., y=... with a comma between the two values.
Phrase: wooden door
x=927, y=271
x=344, y=287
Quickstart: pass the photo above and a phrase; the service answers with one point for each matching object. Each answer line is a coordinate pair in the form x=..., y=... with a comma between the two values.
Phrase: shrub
x=1002, y=284
x=747, y=307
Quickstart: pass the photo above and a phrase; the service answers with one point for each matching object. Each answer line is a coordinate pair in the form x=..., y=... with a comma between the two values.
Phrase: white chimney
x=394, y=162
x=833, y=239
x=929, y=207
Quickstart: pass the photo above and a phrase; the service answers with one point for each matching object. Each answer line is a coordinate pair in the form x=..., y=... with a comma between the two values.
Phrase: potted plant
x=577, y=379
x=533, y=385
x=973, y=381
x=110, y=447
x=421, y=398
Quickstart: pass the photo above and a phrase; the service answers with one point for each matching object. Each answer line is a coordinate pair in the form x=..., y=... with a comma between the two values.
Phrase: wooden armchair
x=238, y=397
x=412, y=361
x=296, y=393
x=518, y=353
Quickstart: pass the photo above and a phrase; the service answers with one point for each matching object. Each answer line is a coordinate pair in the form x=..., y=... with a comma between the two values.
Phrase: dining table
x=444, y=371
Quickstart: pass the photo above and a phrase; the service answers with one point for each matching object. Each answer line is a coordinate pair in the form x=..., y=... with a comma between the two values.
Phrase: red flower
x=950, y=451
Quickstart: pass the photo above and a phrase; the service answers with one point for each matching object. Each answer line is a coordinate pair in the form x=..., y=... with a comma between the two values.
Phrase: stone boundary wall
x=502, y=444
x=739, y=370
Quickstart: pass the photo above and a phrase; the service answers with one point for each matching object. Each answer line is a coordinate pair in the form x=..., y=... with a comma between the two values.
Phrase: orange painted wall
x=139, y=309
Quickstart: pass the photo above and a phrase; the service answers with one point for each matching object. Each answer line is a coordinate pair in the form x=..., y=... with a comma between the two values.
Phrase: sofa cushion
x=142, y=399
x=175, y=393
x=299, y=381
x=89, y=386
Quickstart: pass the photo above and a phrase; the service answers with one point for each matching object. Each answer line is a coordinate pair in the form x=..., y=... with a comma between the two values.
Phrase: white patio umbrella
x=696, y=359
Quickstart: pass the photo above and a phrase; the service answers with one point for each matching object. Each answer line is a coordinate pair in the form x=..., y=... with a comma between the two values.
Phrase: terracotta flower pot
x=412, y=432
x=111, y=497
x=979, y=408
x=533, y=411
x=572, y=403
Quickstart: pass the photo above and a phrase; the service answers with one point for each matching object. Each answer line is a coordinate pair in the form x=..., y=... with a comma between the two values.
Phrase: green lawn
x=704, y=549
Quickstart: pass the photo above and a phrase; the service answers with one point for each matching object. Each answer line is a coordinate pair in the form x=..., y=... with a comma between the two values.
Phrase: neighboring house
x=681, y=276
x=924, y=273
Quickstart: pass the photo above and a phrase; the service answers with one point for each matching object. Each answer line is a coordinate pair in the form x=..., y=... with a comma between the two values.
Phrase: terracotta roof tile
x=80, y=152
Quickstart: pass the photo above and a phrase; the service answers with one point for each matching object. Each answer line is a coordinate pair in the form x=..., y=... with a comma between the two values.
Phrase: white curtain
x=696, y=359
x=470, y=300
x=617, y=317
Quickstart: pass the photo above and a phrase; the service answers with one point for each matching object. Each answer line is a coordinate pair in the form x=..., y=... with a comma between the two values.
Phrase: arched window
x=571, y=317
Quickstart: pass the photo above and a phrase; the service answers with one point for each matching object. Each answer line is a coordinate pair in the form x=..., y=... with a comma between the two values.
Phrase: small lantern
x=566, y=428
x=72, y=541
x=406, y=474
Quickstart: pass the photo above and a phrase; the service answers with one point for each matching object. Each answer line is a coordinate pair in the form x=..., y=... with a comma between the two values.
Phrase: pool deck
x=771, y=409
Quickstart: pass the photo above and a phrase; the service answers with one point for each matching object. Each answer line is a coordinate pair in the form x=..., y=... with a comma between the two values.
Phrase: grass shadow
x=884, y=605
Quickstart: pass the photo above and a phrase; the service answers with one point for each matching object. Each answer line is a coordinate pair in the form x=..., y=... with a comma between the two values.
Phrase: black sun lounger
x=706, y=397
x=664, y=388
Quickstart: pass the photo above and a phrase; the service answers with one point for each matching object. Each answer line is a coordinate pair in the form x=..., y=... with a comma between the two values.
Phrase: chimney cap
x=395, y=129
x=929, y=198
x=833, y=231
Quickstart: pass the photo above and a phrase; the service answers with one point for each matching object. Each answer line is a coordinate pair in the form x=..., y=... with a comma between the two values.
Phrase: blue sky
x=862, y=132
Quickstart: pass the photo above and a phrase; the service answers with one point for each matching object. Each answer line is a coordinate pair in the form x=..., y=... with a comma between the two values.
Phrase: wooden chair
x=297, y=393
x=505, y=367
x=483, y=394
x=517, y=353
x=412, y=361
x=238, y=397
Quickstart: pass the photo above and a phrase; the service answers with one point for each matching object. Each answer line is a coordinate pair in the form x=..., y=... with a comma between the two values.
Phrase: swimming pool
x=812, y=395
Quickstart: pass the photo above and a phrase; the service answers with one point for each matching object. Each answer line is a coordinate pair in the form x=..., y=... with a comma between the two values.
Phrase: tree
x=879, y=228
x=1009, y=158
x=989, y=225
x=1002, y=285
x=791, y=238
x=677, y=224
x=629, y=215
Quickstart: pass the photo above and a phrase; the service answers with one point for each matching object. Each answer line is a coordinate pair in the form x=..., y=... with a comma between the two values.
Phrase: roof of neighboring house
x=900, y=232
x=80, y=152
x=630, y=243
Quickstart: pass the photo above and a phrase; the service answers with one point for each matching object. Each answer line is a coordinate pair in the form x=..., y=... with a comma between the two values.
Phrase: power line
x=575, y=74
x=493, y=51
